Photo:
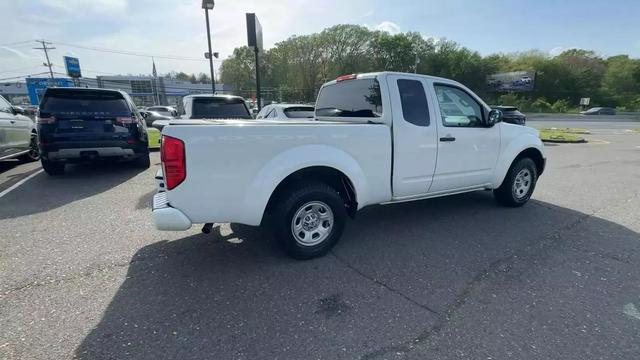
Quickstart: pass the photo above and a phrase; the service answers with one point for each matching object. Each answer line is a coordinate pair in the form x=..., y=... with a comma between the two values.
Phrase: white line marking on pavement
x=16, y=185
x=631, y=310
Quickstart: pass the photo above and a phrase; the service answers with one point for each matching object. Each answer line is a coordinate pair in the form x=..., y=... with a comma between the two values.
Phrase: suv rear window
x=84, y=102
x=299, y=112
x=213, y=108
x=350, y=98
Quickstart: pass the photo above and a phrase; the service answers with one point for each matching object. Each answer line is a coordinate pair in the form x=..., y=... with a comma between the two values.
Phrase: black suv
x=79, y=125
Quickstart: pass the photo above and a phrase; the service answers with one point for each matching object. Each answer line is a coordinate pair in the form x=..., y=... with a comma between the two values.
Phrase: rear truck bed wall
x=232, y=171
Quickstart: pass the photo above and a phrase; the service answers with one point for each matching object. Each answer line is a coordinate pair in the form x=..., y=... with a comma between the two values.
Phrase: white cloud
x=388, y=26
x=560, y=49
x=81, y=7
x=17, y=52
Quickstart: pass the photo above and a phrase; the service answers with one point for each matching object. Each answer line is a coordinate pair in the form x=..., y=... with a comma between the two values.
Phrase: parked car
x=82, y=124
x=151, y=116
x=153, y=133
x=599, y=111
x=511, y=115
x=18, y=134
x=286, y=111
x=169, y=111
x=379, y=138
x=210, y=107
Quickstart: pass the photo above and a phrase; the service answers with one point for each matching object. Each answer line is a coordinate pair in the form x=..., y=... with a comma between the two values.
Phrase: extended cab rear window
x=84, y=102
x=350, y=98
x=215, y=108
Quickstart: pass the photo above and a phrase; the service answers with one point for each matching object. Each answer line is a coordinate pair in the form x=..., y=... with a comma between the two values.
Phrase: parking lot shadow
x=400, y=277
x=43, y=192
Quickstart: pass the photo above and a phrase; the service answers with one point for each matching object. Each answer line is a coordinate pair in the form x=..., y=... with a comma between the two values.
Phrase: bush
x=541, y=105
x=560, y=106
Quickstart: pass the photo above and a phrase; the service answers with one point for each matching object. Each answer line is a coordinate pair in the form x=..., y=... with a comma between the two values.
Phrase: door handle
x=447, y=138
x=12, y=121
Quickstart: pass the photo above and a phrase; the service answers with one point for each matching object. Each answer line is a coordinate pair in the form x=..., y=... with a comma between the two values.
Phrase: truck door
x=414, y=136
x=467, y=149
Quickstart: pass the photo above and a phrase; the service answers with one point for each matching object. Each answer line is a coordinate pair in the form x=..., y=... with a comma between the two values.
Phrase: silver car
x=18, y=136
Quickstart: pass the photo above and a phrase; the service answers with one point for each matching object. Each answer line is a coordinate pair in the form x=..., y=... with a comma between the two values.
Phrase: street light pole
x=208, y=5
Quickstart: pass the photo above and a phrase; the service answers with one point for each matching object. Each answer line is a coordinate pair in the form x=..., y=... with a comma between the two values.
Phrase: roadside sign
x=37, y=86
x=254, y=32
x=512, y=81
x=585, y=101
x=72, y=65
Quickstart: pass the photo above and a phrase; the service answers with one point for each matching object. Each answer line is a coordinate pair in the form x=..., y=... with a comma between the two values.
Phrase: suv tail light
x=124, y=119
x=173, y=161
x=42, y=118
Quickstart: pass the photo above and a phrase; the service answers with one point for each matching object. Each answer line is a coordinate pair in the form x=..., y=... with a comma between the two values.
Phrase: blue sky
x=176, y=27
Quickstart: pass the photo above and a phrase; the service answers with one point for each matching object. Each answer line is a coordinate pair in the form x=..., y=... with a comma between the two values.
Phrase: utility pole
x=208, y=5
x=46, y=54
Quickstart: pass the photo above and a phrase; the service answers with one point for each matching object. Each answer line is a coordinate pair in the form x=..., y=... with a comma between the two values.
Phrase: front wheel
x=518, y=185
x=309, y=220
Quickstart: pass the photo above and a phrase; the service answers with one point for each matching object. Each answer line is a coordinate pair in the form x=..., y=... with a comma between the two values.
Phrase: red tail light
x=45, y=120
x=173, y=161
x=347, y=77
x=124, y=120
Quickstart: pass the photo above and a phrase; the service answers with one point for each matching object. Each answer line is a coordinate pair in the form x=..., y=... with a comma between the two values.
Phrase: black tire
x=508, y=194
x=143, y=161
x=53, y=168
x=288, y=205
x=34, y=152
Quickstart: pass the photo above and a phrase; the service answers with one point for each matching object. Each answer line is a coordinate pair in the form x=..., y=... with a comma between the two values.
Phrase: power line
x=20, y=69
x=16, y=43
x=130, y=53
x=23, y=76
x=46, y=54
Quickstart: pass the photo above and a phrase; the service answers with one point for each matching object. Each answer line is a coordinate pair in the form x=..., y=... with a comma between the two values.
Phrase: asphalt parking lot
x=86, y=275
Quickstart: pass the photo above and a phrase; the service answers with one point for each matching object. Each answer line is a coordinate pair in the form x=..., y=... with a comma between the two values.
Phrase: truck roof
x=386, y=73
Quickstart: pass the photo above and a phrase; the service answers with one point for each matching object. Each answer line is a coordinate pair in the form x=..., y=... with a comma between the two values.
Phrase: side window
x=458, y=108
x=414, y=102
x=4, y=105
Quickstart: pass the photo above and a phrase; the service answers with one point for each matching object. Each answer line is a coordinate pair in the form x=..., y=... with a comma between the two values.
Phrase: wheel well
x=535, y=155
x=326, y=175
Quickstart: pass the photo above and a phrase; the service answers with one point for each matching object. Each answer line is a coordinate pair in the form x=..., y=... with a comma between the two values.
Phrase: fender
x=298, y=158
x=511, y=150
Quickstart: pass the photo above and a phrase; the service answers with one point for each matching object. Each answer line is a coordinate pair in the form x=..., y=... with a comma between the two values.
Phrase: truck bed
x=233, y=166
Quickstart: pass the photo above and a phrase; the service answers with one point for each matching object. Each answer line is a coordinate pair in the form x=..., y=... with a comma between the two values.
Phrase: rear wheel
x=34, y=152
x=309, y=220
x=53, y=168
x=518, y=185
x=143, y=162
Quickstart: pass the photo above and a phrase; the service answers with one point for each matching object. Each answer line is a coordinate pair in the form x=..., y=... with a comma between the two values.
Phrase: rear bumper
x=167, y=218
x=78, y=153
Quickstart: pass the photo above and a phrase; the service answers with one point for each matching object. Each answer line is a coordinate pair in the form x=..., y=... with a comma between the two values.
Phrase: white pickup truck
x=377, y=138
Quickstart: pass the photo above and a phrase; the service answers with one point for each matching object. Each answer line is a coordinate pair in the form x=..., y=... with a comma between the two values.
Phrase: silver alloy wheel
x=522, y=183
x=312, y=223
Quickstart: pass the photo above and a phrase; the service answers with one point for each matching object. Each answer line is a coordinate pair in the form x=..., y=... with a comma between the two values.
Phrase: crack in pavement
x=496, y=268
x=382, y=284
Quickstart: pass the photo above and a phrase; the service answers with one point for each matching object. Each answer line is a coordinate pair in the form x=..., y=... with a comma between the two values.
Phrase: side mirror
x=18, y=110
x=495, y=116
x=144, y=114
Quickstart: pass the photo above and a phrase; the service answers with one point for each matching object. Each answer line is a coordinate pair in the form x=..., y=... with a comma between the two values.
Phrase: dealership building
x=144, y=90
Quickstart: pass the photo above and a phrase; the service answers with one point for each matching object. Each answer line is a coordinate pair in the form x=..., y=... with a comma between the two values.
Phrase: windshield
x=219, y=108
x=350, y=98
